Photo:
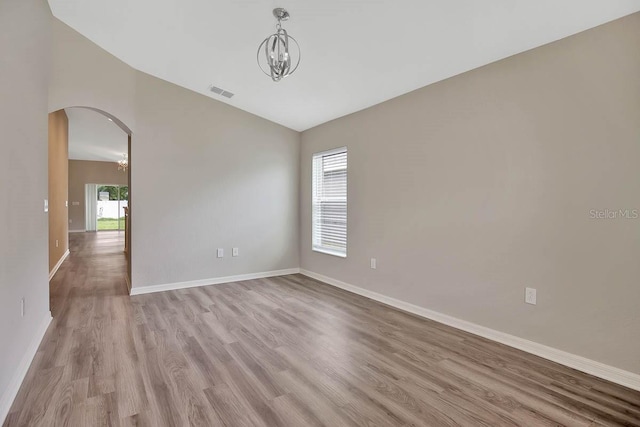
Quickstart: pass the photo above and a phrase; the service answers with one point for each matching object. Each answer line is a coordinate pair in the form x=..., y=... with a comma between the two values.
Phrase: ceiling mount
x=281, y=14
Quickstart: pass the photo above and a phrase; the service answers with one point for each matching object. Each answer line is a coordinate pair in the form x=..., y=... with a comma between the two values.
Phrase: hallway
x=96, y=270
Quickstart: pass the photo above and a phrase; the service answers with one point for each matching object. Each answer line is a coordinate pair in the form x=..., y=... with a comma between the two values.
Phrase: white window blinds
x=329, y=202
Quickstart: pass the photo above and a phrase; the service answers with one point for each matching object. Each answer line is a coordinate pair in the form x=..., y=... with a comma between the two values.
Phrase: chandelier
x=281, y=55
x=123, y=163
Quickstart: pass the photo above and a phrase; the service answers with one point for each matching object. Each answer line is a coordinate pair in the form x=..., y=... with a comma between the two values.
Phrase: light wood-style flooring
x=287, y=351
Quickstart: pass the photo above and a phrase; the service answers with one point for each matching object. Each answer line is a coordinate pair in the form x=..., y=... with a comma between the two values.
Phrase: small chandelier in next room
x=123, y=164
x=279, y=54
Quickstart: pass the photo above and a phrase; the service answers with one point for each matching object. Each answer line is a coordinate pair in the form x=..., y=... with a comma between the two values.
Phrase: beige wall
x=231, y=177
x=83, y=172
x=220, y=177
x=469, y=190
x=24, y=71
x=84, y=75
x=58, y=186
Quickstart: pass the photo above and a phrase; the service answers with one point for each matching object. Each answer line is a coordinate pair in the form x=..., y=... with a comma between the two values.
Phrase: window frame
x=317, y=247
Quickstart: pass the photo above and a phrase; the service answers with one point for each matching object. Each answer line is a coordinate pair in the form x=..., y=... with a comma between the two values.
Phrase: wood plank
x=282, y=351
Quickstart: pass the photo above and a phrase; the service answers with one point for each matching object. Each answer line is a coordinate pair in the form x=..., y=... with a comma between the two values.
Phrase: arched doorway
x=60, y=212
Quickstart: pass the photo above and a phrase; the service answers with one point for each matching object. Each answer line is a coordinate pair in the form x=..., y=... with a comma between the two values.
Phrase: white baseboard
x=21, y=371
x=214, y=281
x=597, y=369
x=77, y=231
x=57, y=266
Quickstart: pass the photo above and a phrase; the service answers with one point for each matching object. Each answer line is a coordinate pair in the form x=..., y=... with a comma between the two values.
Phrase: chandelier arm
x=299, y=55
x=258, y=59
x=286, y=41
x=277, y=43
x=258, y=56
x=288, y=58
x=274, y=43
x=267, y=51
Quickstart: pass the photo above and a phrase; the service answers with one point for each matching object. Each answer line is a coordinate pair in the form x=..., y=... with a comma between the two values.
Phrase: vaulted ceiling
x=355, y=53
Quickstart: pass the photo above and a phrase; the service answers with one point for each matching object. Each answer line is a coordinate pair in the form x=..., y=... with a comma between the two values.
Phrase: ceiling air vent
x=220, y=92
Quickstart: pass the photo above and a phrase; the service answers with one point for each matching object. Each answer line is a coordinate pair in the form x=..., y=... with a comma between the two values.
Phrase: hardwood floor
x=286, y=351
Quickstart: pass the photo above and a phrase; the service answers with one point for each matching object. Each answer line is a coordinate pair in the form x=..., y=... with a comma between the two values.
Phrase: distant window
x=329, y=202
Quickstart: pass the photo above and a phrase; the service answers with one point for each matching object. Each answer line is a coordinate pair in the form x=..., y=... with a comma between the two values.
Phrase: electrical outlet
x=235, y=252
x=530, y=296
x=374, y=263
x=220, y=253
x=22, y=306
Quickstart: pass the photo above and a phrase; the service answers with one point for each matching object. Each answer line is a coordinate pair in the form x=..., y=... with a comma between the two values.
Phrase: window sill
x=329, y=252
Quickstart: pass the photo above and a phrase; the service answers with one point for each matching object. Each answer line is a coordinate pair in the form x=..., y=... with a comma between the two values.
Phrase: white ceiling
x=93, y=136
x=355, y=53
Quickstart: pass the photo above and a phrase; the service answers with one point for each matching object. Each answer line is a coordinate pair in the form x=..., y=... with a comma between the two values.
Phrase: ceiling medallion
x=281, y=52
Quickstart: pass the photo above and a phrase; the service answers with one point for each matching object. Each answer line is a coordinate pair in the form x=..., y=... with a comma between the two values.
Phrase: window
x=329, y=202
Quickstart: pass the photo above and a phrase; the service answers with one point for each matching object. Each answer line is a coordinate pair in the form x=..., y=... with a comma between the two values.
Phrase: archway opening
x=88, y=148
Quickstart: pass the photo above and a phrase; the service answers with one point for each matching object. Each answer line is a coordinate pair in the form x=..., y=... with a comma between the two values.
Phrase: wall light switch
x=22, y=307
x=57, y=243
x=46, y=205
x=66, y=203
x=374, y=263
x=220, y=253
x=530, y=296
x=235, y=252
